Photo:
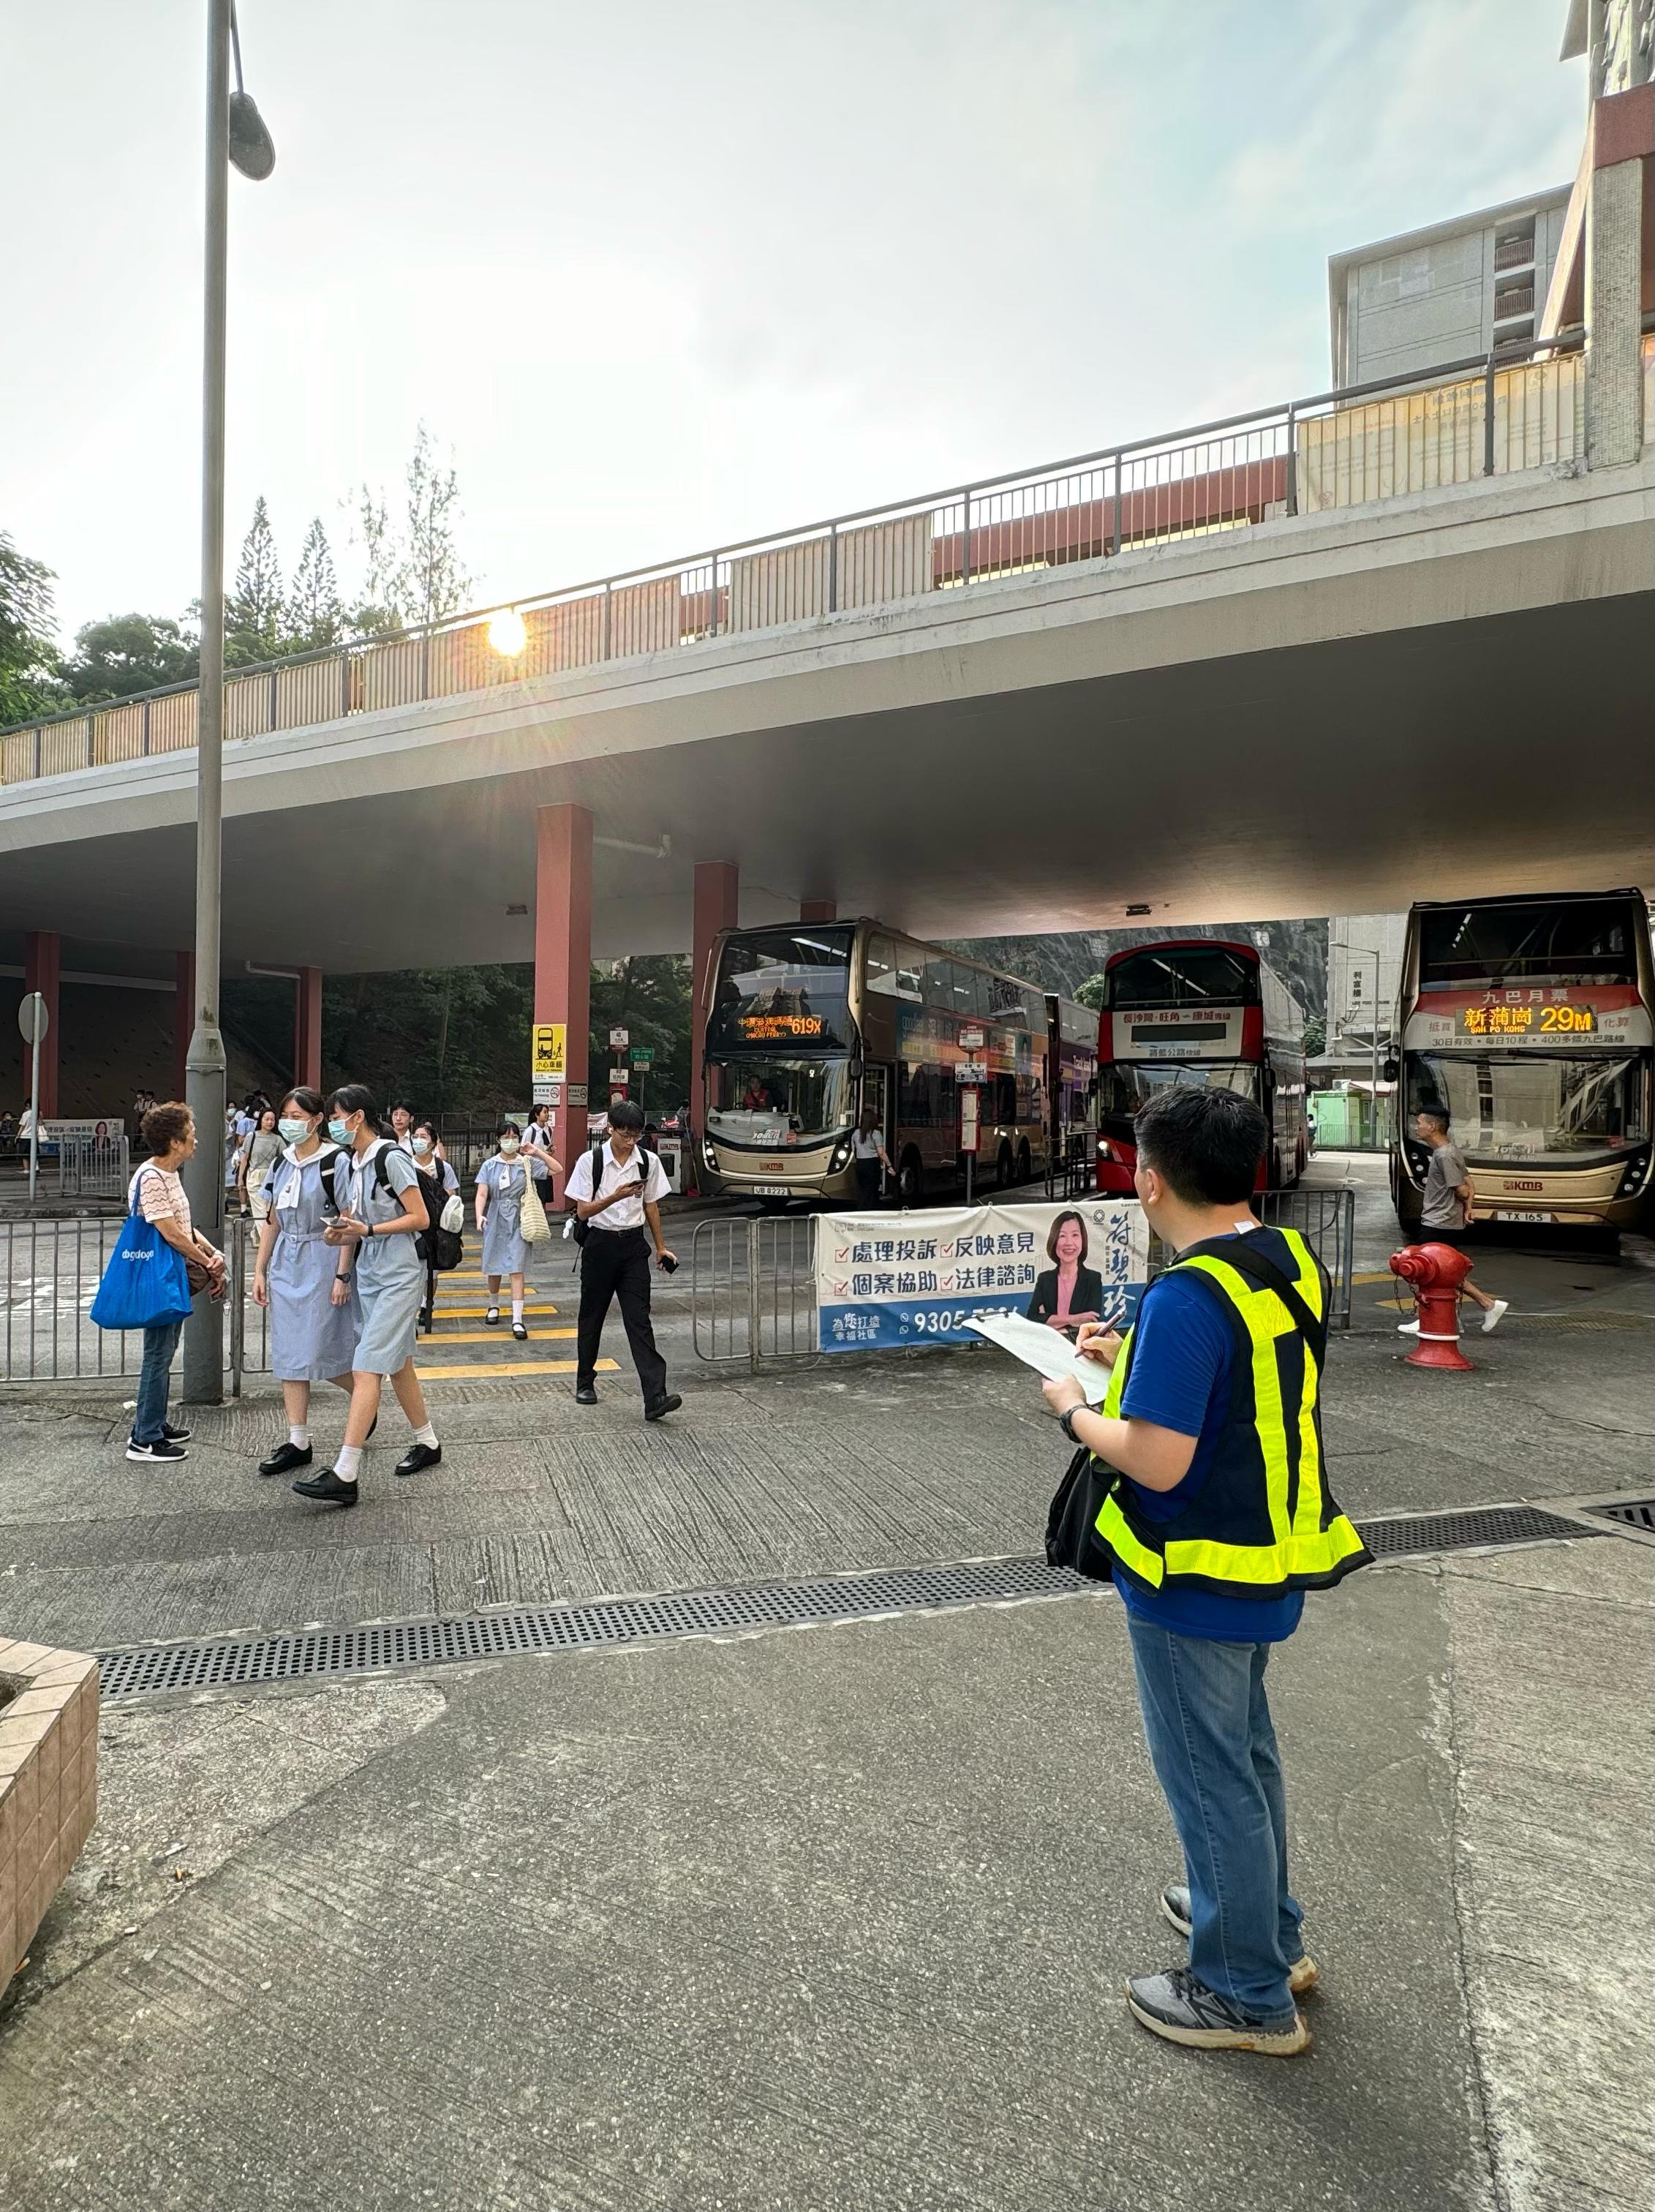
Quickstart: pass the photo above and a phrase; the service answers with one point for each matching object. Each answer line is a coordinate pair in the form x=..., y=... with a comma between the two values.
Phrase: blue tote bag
x=145, y=1281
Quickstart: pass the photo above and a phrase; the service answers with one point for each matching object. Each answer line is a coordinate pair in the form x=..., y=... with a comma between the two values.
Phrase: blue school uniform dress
x=504, y=1250
x=312, y=1340
x=388, y=1278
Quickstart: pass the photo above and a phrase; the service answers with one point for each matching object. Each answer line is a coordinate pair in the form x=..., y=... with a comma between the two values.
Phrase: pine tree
x=435, y=580
x=315, y=614
x=254, y=614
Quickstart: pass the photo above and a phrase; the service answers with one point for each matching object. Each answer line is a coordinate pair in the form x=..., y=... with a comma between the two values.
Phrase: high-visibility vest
x=1264, y=1522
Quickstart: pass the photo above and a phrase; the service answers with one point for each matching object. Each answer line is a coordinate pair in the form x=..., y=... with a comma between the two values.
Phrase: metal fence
x=753, y=1288
x=50, y=1270
x=1519, y=408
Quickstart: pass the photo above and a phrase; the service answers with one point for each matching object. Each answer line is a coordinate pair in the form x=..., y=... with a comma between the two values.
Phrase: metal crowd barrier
x=753, y=1288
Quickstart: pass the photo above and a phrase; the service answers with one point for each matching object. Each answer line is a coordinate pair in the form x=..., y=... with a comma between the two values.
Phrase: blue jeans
x=1207, y=1720
x=159, y=1343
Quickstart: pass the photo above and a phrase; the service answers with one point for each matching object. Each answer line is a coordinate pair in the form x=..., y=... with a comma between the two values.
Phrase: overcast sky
x=662, y=275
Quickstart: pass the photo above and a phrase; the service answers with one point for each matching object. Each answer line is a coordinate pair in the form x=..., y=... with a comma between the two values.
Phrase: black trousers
x=615, y=1264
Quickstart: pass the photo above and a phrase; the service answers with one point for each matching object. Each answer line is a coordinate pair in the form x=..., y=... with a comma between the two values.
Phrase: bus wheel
x=1025, y=1165
x=910, y=1180
x=1003, y=1169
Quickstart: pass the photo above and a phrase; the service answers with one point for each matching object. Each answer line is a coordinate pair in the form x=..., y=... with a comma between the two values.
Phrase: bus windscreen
x=1548, y=941
x=782, y=991
x=1188, y=976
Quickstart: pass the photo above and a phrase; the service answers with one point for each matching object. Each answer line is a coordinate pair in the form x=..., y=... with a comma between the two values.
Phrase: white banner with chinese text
x=885, y=1279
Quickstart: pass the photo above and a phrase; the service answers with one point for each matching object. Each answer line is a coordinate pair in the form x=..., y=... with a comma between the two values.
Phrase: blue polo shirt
x=1183, y=1351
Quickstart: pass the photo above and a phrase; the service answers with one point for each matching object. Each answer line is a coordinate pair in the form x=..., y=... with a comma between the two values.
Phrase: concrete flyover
x=1335, y=711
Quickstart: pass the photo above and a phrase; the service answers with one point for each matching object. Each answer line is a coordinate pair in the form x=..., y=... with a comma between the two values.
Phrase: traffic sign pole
x=34, y=1019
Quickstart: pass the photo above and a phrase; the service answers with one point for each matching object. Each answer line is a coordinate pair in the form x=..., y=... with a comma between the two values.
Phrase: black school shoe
x=417, y=1457
x=658, y=1408
x=520, y=1331
x=285, y=1458
x=585, y=1394
x=326, y=1489
x=1177, y=2007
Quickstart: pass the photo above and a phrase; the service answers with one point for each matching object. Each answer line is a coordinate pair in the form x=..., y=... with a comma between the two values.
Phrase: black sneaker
x=1177, y=2007
x=1303, y=1974
x=285, y=1458
x=175, y=1436
x=326, y=1489
x=658, y=1408
x=163, y=1450
x=585, y=1394
x=417, y=1457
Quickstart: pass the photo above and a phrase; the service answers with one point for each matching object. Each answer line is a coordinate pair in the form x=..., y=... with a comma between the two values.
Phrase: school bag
x=146, y=1281
x=438, y=1246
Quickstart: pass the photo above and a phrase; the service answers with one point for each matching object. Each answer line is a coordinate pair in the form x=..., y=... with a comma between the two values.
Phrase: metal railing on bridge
x=1519, y=408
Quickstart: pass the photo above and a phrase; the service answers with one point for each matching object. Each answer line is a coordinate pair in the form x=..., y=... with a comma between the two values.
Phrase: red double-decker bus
x=1199, y=1010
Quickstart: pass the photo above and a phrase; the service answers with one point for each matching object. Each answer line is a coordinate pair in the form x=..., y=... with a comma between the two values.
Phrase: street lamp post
x=1360, y=952
x=238, y=135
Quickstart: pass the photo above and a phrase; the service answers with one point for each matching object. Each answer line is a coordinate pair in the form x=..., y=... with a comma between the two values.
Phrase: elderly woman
x=157, y=1193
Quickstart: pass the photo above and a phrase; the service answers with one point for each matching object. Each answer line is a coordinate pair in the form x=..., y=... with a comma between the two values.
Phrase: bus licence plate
x=1504, y=1213
x=772, y=1190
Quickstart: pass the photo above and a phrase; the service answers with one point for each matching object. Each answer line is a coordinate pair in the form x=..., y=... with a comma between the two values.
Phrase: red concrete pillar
x=43, y=960
x=307, y=1028
x=717, y=886
x=818, y=910
x=183, y=1017
x=563, y=959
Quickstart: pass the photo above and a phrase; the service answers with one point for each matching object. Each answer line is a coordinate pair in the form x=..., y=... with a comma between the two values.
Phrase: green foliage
x=649, y=996
x=255, y=610
x=1315, y=1035
x=1090, y=993
x=412, y=570
x=28, y=650
x=315, y=614
x=125, y=653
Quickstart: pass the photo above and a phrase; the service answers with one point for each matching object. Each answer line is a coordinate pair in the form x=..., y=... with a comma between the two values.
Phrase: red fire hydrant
x=1436, y=1272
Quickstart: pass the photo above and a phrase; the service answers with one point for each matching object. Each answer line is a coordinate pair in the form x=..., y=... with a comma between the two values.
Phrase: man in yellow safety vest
x=1218, y=1520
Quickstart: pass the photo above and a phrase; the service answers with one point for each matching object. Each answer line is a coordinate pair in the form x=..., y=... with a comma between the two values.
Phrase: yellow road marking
x=487, y=1336
x=476, y=1313
x=446, y=1374
x=1381, y=1275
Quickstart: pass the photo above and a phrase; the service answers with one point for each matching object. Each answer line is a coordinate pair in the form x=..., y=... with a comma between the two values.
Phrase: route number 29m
x=1577, y=1018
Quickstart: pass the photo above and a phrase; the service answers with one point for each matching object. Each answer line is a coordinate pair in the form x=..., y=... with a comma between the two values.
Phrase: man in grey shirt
x=1448, y=1207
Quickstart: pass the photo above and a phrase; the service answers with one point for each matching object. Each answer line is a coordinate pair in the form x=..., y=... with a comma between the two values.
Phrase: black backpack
x=441, y=1248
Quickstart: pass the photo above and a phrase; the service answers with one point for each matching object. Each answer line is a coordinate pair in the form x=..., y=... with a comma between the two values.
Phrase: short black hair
x=306, y=1100
x=1051, y=1240
x=508, y=1129
x=1434, y=1113
x=357, y=1099
x=1205, y=1143
x=626, y=1114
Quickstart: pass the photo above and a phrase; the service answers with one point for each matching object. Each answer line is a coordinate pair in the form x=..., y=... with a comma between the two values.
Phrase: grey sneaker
x=1303, y=1974
x=1180, y=2009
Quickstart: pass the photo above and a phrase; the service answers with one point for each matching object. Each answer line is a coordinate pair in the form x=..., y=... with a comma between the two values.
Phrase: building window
x=1514, y=244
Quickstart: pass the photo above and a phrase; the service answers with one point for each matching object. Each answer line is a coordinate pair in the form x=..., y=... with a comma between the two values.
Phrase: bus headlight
x=841, y=1158
x=1634, y=1175
x=709, y=1157
x=1106, y=1150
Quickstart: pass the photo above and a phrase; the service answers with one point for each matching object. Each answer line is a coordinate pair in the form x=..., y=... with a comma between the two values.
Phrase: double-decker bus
x=1199, y=1010
x=1528, y=1020
x=807, y=1022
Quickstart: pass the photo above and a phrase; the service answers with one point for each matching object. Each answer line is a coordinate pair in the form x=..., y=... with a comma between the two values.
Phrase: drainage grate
x=1631, y=1512
x=1404, y=1535
x=244, y=1663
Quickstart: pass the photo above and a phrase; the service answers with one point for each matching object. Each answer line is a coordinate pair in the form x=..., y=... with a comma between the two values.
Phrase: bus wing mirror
x=1391, y=1069
x=856, y=1067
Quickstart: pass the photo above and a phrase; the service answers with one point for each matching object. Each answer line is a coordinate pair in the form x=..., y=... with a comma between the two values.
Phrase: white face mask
x=508, y=1145
x=421, y=1144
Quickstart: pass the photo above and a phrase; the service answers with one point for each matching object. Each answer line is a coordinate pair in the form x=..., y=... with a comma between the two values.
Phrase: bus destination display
x=778, y=1029
x=1506, y=1021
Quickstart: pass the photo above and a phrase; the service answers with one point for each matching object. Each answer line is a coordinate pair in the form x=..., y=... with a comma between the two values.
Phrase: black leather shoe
x=584, y=1394
x=418, y=1456
x=658, y=1408
x=285, y=1458
x=326, y=1489
x=1181, y=2009
x=519, y=1329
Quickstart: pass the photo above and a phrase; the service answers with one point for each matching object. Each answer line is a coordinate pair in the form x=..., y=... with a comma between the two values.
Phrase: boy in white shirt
x=615, y=1257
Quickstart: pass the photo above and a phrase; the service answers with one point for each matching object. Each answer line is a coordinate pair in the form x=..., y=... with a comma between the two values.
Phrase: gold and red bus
x=809, y=1023
x=1206, y=1011
x=1529, y=1022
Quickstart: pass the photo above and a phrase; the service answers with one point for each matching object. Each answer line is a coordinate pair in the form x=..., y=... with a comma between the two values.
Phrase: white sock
x=517, y=1309
x=346, y=1461
x=299, y=1436
x=427, y=1435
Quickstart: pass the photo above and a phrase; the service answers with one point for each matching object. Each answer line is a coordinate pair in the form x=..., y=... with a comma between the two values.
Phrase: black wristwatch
x=1066, y=1422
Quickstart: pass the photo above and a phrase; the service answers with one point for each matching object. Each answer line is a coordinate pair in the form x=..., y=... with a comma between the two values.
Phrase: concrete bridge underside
x=1325, y=714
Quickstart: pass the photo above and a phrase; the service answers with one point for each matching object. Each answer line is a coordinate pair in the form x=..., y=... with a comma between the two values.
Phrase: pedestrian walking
x=537, y=1130
x=868, y=1153
x=257, y=1155
x=425, y=1149
x=401, y=1121
x=502, y=1185
x=379, y=1275
x=1446, y=1214
x=312, y=1339
x=157, y=1191
x=1216, y=1519
x=616, y=1188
